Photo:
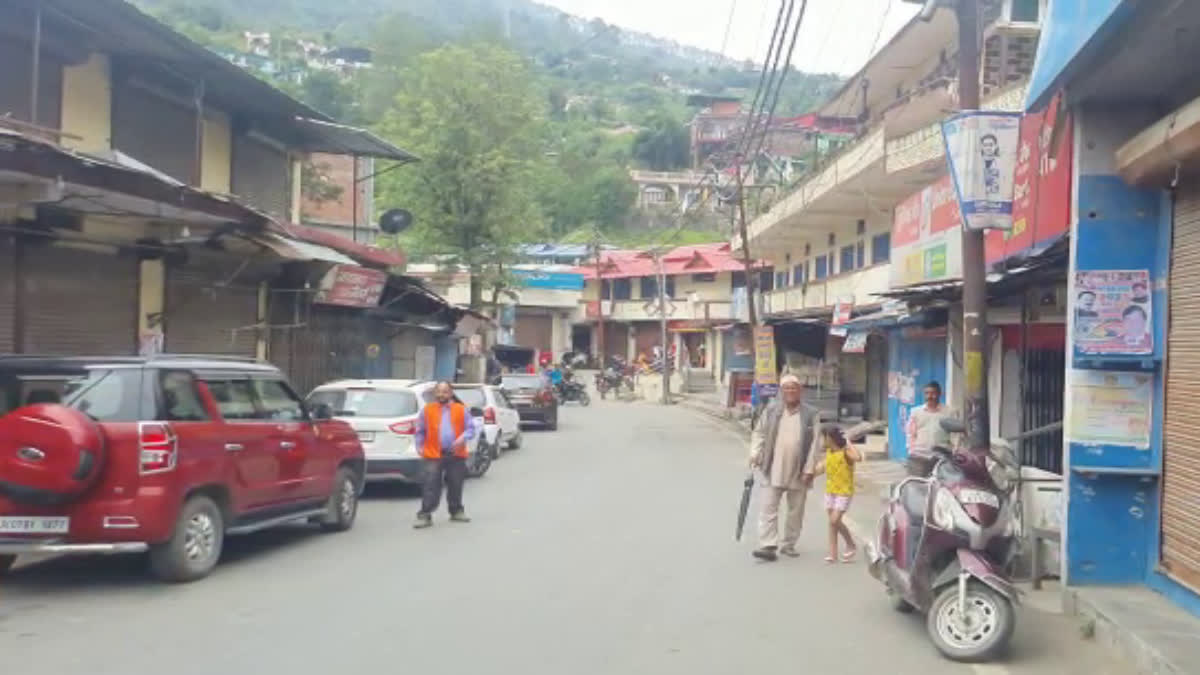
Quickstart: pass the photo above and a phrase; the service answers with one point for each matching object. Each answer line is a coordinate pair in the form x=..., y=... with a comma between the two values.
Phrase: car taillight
x=404, y=428
x=489, y=416
x=157, y=447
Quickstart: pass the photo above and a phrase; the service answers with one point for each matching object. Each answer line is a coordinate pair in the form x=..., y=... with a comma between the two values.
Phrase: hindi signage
x=927, y=237
x=981, y=151
x=1111, y=408
x=764, y=356
x=1112, y=313
x=351, y=286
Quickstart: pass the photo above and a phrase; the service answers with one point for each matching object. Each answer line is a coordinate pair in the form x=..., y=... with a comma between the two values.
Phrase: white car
x=502, y=424
x=384, y=414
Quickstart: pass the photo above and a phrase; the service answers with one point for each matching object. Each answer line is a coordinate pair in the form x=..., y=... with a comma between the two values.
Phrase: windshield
x=104, y=394
x=366, y=402
x=472, y=398
x=522, y=381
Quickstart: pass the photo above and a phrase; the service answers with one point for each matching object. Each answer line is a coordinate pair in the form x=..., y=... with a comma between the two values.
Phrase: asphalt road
x=605, y=547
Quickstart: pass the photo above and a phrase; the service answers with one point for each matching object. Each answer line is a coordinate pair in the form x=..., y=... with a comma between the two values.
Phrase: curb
x=1108, y=630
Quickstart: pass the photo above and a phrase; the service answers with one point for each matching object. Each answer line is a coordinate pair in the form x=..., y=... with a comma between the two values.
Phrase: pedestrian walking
x=782, y=448
x=838, y=467
x=444, y=429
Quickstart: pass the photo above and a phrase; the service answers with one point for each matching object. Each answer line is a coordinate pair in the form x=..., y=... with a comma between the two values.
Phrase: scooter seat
x=913, y=496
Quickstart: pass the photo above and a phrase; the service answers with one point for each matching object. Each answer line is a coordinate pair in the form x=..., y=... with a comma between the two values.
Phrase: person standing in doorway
x=444, y=429
x=925, y=430
x=781, y=446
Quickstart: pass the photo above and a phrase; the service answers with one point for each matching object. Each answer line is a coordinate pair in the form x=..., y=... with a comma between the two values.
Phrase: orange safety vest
x=433, y=422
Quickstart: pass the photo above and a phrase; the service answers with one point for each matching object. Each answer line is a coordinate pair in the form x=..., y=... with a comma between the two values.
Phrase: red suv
x=167, y=454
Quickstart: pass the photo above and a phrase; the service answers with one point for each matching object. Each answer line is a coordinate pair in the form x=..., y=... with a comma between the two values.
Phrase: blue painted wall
x=1072, y=31
x=1113, y=519
x=445, y=357
x=922, y=358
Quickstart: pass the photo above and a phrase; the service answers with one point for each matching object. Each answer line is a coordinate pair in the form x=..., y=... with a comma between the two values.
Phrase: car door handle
x=234, y=447
x=287, y=445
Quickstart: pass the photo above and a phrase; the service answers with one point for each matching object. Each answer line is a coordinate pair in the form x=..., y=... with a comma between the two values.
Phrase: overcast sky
x=836, y=36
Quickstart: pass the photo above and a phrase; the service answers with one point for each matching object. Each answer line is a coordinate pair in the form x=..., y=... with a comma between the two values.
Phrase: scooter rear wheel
x=981, y=634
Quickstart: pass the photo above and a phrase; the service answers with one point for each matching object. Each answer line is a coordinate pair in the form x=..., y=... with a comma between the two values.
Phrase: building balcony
x=861, y=285
x=678, y=309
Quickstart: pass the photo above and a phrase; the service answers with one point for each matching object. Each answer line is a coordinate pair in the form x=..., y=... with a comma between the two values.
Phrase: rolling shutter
x=260, y=176
x=155, y=130
x=8, y=295
x=79, y=301
x=211, y=307
x=1181, y=437
x=535, y=332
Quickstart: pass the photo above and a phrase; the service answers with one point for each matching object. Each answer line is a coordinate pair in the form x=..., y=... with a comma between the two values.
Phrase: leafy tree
x=326, y=92
x=475, y=118
x=665, y=145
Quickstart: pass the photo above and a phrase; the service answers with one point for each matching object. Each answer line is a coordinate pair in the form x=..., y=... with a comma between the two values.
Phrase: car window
x=180, y=400
x=522, y=381
x=277, y=402
x=501, y=400
x=472, y=397
x=235, y=398
x=106, y=395
x=366, y=402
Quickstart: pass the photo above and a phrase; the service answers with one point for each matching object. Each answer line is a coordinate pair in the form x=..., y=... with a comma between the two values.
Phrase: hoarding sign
x=981, y=151
x=856, y=343
x=1112, y=312
x=927, y=237
x=764, y=356
x=351, y=286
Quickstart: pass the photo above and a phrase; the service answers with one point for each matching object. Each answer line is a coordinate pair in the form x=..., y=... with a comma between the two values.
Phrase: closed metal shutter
x=79, y=301
x=261, y=176
x=535, y=332
x=154, y=130
x=8, y=294
x=332, y=346
x=1181, y=438
x=212, y=307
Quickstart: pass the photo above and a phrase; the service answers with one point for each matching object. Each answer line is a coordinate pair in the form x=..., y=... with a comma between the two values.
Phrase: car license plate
x=979, y=497
x=366, y=436
x=34, y=525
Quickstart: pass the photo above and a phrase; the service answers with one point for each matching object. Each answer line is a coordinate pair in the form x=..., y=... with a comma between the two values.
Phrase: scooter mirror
x=952, y=426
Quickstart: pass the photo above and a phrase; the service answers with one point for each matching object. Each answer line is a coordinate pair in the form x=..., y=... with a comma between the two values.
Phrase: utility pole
x=747, y=261
x=974, y=272
x=599, y=305
x=662, y=321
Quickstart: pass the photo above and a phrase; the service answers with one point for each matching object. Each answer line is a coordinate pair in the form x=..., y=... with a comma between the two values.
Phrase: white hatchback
x=384, y=414
x=502, y=424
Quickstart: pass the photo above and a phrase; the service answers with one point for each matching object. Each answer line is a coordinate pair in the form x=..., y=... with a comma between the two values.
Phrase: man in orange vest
x=444, y=428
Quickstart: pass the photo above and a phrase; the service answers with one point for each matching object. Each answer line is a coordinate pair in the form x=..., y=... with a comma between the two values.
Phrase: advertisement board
x=1112, y=312
x=981, y=153
x=351, y=286
x=764, y=356
x=927, y=237
x=1111, y=408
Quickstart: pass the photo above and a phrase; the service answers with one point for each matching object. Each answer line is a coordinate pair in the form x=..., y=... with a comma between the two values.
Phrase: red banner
x=906, y=228
x=592, y=309
x=944, y=212
x=1042, y=188
x=351, y=286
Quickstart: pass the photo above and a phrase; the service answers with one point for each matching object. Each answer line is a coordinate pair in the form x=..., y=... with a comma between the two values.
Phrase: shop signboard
x=927, y=237
x=1041, y=187
x=856, y=343
x=981, y=153
x=764, y=356
x=351, y=286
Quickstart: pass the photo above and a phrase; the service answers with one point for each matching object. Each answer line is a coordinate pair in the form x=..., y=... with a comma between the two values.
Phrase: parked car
x=533, y=396
x=166, y=454
x=502, y=423
x=384, y=415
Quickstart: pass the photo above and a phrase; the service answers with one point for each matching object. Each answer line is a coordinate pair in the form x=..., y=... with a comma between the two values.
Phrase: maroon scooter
x=943, y=545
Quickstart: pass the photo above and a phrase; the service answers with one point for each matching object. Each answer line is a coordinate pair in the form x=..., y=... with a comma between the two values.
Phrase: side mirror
x=952, y=426
x=322, y=412
x=476, y=412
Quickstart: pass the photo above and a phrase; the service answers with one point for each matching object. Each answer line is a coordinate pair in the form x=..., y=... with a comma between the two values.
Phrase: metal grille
x=1044, y=384
x=8, y=294
x=1181, y=438
x=332, y=346
x=212, y=307
x=79, y=301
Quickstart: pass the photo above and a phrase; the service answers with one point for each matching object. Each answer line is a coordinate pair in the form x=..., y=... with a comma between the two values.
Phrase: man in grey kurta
x=784, y=447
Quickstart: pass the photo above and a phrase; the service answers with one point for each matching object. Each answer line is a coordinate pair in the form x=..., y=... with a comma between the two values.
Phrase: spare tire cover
x=49, y=454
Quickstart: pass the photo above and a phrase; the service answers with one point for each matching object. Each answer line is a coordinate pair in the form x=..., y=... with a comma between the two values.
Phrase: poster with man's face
x=1112, y=312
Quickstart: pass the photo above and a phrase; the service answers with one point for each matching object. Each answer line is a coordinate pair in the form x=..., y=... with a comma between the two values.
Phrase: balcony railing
x=861, y=285
x=677, y=309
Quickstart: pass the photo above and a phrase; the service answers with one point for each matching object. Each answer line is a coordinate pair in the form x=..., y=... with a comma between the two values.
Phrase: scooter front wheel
x=979, y=634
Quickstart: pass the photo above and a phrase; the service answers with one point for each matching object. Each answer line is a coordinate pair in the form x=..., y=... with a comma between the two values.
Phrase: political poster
x=1113, y=313
x=981, y=151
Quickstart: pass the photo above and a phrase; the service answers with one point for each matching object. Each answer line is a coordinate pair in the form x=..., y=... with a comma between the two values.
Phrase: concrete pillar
x=631, y=344
x=263, y=335
x=152, y=288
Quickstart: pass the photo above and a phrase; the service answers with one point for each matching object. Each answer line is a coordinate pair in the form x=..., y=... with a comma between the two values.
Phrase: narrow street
x=603, y=548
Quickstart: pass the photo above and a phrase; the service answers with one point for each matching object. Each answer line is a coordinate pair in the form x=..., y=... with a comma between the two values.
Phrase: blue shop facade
x=1123, y=77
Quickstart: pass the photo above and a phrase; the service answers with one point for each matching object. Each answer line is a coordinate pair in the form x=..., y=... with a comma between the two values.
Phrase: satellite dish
x=394, y=221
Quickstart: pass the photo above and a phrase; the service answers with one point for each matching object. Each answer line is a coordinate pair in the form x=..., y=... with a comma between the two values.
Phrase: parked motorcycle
x=618, y=374
x=944, y=544
x=572, y=390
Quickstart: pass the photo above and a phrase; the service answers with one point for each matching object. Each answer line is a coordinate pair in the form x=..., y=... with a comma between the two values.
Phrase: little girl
x=838, y=467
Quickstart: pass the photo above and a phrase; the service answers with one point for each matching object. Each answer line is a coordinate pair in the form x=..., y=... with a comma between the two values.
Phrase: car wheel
x=6, y=563
x=515, y=443
x=495, y=449
x=195, y=545
x=342, y=508
x=479, y=463
x=552, y=425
